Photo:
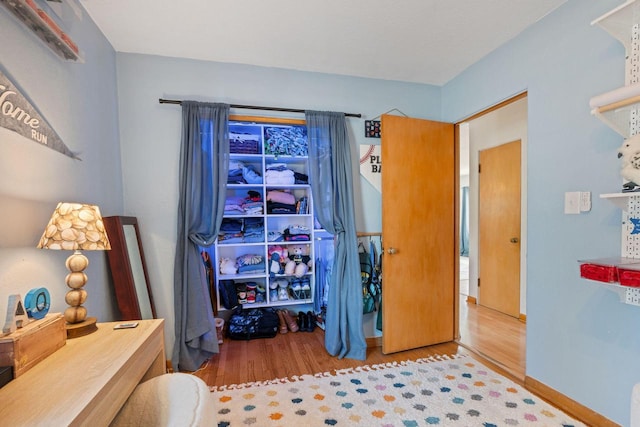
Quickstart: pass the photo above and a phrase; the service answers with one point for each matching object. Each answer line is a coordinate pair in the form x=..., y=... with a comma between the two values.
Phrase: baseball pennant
x=17, y=114
x=371, y=165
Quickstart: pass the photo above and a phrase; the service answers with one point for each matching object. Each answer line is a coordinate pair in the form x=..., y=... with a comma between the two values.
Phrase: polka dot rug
x=426, y=392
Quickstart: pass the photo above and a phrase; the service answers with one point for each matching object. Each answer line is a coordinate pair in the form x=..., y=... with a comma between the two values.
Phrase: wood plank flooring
x=300, y=353
x=495, y=336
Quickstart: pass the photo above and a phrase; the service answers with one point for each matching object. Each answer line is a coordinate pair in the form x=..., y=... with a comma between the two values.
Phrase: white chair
x=176, y=400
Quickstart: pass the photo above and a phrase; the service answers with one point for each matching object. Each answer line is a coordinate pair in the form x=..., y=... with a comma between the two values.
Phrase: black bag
x=228, y=294
x=253, y=323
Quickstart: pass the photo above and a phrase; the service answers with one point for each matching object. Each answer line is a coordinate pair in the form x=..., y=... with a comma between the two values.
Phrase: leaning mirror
x=128, y=269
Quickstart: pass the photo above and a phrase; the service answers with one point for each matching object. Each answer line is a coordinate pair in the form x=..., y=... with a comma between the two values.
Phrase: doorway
x=496, y=126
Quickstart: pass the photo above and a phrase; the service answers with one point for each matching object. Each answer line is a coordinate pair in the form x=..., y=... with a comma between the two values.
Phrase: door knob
x=391, y=251
x=514, y=240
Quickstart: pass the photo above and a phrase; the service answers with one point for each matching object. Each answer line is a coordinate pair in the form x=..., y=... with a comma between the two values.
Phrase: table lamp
x=76, y=227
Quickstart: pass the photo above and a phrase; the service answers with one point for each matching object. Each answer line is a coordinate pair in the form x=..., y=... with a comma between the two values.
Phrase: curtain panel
x=331, y=176
x=204, y=165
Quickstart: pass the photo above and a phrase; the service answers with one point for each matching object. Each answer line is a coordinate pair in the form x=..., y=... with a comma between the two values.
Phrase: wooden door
x=499, y=228
x=419, y=234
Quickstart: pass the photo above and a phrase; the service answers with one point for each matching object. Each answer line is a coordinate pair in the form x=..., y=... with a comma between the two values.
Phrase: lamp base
x=86, y=327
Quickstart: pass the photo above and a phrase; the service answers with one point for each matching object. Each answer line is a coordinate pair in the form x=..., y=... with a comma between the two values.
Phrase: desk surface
x=87, y=381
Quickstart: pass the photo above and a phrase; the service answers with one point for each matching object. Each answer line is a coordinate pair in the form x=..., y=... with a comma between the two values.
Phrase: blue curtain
x=204, y=164
x=464, y=222
x=331, y=176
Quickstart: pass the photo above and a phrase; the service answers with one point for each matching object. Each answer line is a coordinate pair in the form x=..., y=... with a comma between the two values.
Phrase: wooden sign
x=18, y=115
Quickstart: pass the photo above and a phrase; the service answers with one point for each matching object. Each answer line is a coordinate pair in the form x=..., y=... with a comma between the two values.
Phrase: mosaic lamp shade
x=76, y=227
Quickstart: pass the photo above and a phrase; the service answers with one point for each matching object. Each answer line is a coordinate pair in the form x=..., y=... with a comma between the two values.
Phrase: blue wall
x=581, y=340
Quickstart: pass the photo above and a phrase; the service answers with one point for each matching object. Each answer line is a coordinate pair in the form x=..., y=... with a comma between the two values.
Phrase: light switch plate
x=572, y=202
x=585, y=201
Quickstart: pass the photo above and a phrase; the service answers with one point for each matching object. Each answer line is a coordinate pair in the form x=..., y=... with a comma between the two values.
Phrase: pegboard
x=631, y=242
x=632, y=296
x=630, y=237
x=632, y=63
x=632, y=74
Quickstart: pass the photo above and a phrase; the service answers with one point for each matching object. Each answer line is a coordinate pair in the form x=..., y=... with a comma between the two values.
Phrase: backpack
x=253, y=323
x=366, y=274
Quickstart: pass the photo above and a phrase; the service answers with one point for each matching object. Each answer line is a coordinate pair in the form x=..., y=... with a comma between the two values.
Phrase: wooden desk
x=87, y=381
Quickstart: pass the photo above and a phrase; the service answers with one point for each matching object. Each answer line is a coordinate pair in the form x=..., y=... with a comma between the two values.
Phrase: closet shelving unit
x=298, y=290
x=619, y=110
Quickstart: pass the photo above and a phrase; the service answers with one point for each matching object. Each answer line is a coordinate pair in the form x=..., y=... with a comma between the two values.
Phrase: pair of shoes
x=251, y=292
x=241, y=289
x=283, y=323
x=306, y=321
x=261, y=293
x=290, y=321
x=311, y=321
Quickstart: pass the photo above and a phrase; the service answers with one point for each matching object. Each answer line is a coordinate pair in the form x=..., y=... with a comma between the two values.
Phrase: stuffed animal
x=299, y=261
x=630, y=169
x=278, y=256
x=227, y=266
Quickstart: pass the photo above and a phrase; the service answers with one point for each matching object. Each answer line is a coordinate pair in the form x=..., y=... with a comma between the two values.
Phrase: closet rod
x=365, y=234
x=254, y=107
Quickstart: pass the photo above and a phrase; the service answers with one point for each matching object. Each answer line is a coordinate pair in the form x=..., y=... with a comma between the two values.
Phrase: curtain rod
x=254, y=107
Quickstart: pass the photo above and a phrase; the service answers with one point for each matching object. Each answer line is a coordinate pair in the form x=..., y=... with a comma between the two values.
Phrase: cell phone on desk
x=126, y=325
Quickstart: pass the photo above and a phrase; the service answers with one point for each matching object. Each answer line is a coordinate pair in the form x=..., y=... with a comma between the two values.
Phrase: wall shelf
x=41, y=24
x=615, y=108
x=621, y=200
x=619, y=21
x=620, y=275
x=619, y=109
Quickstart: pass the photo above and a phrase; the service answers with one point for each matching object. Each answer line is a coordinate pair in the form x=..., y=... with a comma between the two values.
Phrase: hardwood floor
x=293, y=354
x=495, y=336
x=300, y=353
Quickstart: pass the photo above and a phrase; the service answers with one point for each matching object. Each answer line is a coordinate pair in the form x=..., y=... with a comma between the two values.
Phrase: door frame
x=473, y=206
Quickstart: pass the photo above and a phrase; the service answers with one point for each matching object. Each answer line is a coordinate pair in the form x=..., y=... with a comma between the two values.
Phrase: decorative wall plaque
x=17, y=114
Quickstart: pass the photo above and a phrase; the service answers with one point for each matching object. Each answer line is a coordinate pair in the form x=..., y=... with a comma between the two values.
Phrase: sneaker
x=251, y=297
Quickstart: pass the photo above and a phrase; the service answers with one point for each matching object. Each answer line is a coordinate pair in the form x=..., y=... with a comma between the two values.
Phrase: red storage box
x=629, y=276
x=601, y=273
x=611, y=270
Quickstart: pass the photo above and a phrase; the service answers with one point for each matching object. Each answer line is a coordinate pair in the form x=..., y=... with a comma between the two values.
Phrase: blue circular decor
x=37, y=303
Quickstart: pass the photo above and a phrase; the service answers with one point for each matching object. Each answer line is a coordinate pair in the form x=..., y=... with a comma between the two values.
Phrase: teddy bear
x=278, y=256
x=227, y=266
x=299, y=261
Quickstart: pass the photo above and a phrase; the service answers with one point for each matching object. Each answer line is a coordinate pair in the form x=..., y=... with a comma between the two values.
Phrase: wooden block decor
x=27, y=346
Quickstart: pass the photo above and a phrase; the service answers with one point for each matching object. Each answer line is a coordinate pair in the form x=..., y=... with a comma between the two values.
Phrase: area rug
x=426, y=392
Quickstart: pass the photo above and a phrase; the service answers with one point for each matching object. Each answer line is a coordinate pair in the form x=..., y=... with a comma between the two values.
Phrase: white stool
x=168, y=400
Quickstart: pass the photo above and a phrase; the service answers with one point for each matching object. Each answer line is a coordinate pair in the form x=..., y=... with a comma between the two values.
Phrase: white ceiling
x=421, y=41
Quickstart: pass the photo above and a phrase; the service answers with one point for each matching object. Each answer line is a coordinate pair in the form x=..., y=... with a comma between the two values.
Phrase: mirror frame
x=122, y=270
